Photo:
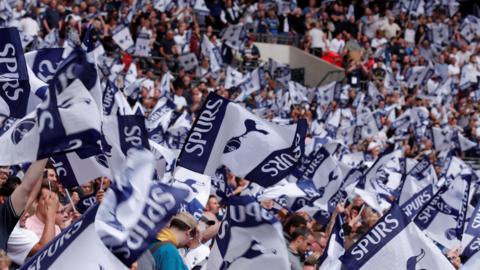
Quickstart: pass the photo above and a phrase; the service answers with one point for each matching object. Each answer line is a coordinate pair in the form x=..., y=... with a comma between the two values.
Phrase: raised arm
x=21, y=194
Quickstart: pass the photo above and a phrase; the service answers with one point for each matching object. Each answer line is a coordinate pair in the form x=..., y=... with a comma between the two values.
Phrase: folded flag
x=135, y=208
x=249, y=237
x=226, y=134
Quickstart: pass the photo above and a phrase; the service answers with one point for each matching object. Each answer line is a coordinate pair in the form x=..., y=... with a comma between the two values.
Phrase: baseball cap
x=186, y=218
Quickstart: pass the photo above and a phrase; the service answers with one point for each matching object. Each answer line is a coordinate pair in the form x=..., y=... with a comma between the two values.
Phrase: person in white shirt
x=391, y=29
x=179, y=100
x=337, y=44
x=181, y=39
x=379, y=40
x=319, y=38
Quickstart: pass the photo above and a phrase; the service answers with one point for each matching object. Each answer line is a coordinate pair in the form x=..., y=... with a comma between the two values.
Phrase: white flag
x=123, y=38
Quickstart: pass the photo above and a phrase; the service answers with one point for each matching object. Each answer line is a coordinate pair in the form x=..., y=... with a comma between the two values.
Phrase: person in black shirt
x=14, y=205
x=52, y=17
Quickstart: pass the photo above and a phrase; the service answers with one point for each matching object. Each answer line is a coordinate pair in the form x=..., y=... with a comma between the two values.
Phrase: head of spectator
x=212, y=205
x=292, y=223
x=36, y=223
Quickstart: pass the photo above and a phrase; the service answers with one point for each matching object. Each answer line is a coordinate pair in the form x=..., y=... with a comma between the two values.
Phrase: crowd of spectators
x=371, y=40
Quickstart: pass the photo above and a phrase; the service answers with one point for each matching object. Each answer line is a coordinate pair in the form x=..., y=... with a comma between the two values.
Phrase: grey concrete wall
x=315, y=68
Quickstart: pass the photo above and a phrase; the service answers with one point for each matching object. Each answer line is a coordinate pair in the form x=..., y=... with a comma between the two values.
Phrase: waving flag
x=225, y=134
x=159, y=119
x=471, y=237
x=212, y=52
x=70, y=246
x=142, y=44
x=16, y=94
x=252, y=82
x=44, y=62
x=68, y=120
x=123, y=38
x=249, y=237
x=233, y=78
x=399, y=240
x=335, y=247
x=198, y=186
x=234, y=36
x=279, y=72
x=188, y=61
x=326, y=93
x=74, y=170
x=443, y=218
x=135, y=208
x=123, y=133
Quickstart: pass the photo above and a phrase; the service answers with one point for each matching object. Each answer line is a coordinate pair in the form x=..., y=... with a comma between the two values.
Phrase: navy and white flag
x=298, y=93
x=418, y=188
x=462, y=142
x=67, y=120
x=198, y=186
x=442, y=138
x=213, y=54
x=159, y=119
x=326, y=175
x=135, y=208
x=440, y=32
x=326, y=93
x=249, y=237
x=233, y=78
x=86, y=202
x=296, y=195
x=178, y=129
x=123, y=38
x=73, y=169
x=335, y=247
x=252, y=82
x=418, y=76
x=79, y=243
x=17, y=96
x=165, y=160
x=279, y=72
x=142, y=44
x=113, y=100
x=123, y=133
x=188, y=61
x=44, y=62
x=396, y=238
x=225, y=133
x=468, y=76
x=165, y=84
x=234, y=36
x=443, y=218
x=471, y=237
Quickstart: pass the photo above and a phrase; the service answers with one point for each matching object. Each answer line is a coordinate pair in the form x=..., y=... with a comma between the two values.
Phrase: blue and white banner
x=79, y=243
x=279, y=72
x=234, y=36
x=159, y=119
x=249, y=238
x=233, y=78
x=326, y=93
x=213, y=54
x=335, y=247
x=74, y=170
x=252, y=82
x=142, y=45
x=16, y=94
x=123, y=133
x=188, y=61
x=135, y=208
x=226, y=134
x=198, y=186
x=443, y=218
x=68, y=120
x=396, y=238
x=123, y=38
x=45, y=62
x=471, y=236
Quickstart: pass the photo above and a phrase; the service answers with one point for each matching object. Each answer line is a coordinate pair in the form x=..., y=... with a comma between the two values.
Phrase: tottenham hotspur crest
x=22, y=129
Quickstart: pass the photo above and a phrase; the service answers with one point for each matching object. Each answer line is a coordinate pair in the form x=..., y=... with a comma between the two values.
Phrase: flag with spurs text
x=225, y=133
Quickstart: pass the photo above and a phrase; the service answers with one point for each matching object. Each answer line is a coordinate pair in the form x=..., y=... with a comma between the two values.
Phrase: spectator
x=180, y=232
x=250, y=54
x=52, y=17
x=14, y=205
x=40, y=219
x=297, y=248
